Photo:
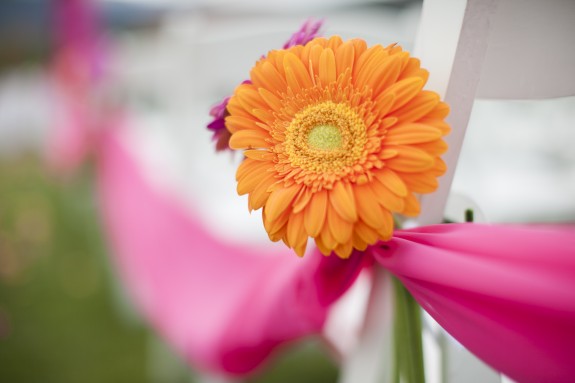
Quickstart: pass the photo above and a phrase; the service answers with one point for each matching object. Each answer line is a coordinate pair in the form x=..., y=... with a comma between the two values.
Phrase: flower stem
x=407, y=330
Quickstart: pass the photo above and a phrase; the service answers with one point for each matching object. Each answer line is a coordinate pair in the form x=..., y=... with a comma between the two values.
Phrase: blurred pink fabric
x=224, y=307
x=507, y=293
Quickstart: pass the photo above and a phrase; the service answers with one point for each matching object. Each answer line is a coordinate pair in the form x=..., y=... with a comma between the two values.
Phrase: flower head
x=337, y=137
x=308, y=31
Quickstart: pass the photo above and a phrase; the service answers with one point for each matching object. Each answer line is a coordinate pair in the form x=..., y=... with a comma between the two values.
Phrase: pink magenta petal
x=507, y=293
x=224, y=307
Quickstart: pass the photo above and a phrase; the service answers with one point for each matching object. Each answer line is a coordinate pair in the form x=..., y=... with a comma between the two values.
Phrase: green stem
x=407, y=330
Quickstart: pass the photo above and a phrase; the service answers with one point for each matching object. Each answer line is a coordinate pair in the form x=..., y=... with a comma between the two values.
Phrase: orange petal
x=322, y=247
x=276, y=228
x=272, y=100
x=439, y=168
x=292, y=82
x=268, y=77
x=296, y=234
x=420, y=106
x=259, y=196
x=259, y=155
x=235, y=109
x=279, y=200
x=412, y=207
x=314, y=58
x=388, y=153
x=249, y=139
x=249, y=182
x=405, y=90
x=388, y=122
x=386, y=231
x=368, y=207
x=436, y=123
x=412, y=133
x=434, y=148
x=359, y=46
x=276, y=58
x=334, y=42
x=320, y=41
x=249, y=98
x=340, y=229
x=440, y=111
x=366, y=62
x=394, y=48
x=420, y=182
x=344, y=250
x=342, y=199
x=365, y=232
x=344, y=57
x=358, y=242
x=236, y=123
x=300, y=249
x=369, y=64
x=392, y=181
x=302, y=199
x=248, y=167
x=315, y=213
x=383, y=105
x=386, y=197
x=300, y=73
x=264, y=115
x=413, y=69
x=387, y=73
x=410, y=160
x=327, y=238
x=327, y=68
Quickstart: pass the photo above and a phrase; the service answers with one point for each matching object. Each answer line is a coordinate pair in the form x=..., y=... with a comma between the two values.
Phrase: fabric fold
x=507, y=293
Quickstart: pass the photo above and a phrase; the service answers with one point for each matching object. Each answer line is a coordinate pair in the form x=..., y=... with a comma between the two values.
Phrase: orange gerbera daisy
x=337, y=137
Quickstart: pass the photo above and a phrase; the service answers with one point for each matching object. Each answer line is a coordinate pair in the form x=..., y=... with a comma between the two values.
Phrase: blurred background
x=64, y=316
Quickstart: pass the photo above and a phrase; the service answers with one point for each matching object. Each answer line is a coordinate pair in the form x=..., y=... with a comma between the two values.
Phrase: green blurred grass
x=58, y=322
x=63, y=318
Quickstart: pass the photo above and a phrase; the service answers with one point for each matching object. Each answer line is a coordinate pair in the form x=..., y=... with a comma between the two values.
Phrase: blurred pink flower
x=507, y=293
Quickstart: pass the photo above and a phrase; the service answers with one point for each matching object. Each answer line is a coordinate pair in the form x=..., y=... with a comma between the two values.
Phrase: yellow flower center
x=325, y=137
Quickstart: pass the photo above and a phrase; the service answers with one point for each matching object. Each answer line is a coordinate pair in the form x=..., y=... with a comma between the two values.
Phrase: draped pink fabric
x=507, y=293
x=224, y=307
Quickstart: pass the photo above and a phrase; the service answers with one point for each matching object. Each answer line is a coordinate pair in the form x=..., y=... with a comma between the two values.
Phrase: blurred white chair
x=498, y=49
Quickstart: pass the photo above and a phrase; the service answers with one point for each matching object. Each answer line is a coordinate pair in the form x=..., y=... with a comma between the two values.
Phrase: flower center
x=324, y=137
